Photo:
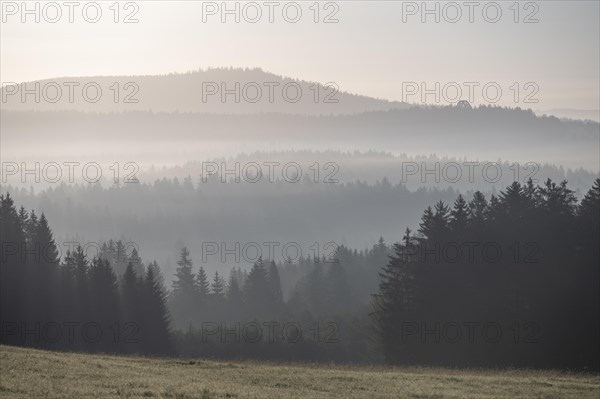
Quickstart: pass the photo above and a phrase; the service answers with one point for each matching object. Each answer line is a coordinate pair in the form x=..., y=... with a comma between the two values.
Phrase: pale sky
x=370, y=51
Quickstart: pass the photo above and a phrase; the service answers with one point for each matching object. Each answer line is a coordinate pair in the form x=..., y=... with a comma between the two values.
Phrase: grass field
x=27, y=373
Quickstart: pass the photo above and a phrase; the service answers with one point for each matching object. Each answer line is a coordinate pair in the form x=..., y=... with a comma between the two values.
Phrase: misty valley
x=300, y=199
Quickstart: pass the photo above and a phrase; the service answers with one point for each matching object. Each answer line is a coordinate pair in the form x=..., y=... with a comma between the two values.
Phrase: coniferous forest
x=300, y=199
x=509, y=280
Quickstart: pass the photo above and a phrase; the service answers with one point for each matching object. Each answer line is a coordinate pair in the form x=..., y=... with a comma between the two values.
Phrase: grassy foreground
x=27, y=373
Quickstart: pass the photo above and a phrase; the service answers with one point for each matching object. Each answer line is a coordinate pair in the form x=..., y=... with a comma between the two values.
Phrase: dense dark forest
x=510, y=280
x=76, y=303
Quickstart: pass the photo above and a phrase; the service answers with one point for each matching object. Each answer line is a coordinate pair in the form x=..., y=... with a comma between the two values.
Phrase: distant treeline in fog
x=190, y=208
x=162, y=217
x=328, y=167
x=415, y=171
x=144, y=137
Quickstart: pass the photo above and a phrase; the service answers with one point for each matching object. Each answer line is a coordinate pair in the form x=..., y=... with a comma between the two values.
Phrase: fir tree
x=218, y=286
x=157, y=321
x=185, y=291
x=459, y=215
x=394, y=301
x=256, y=289
x=234, y=292
x=202, y=284
x=45, y=268
x=274, y=286
x=104, y=302
x=184, y=285
x=477, y=209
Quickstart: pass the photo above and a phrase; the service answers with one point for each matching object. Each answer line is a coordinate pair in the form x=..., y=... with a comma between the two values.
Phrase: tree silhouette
x=542, y=248
x=202, y=284
x=459, y=215
x=256, y=290
x=185, y=291
x=274, y=286
x=157, y=323
x=218, y=286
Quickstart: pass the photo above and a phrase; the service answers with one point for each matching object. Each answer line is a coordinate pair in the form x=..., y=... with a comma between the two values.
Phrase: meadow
x=30, y=373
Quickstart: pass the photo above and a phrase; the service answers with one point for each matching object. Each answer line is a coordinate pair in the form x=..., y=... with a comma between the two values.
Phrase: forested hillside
x=448, y=289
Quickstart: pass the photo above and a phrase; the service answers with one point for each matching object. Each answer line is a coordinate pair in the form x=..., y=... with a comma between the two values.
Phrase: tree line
x=513, y=280
x=509, y=280
x=76, y=303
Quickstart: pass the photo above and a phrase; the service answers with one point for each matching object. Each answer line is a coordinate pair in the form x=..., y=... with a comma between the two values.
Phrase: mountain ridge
x=211, y=90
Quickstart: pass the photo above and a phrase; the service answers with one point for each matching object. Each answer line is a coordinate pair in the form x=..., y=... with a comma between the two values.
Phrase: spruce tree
x=81, y=279
x=45, y=272
x=157, y=323
x=234, y=295
x=218, y=286
x=394, y=302
x=274, y=286
x=513, y=202
x=426, y=227
x=202, y=284
x=132, y=307
x=68, y=288
x=104, y=303
x=31, y=227
x=23, y=217
x=158, y=275
x=184, y=284
x=136, y=261
x=185, y=292
x=477, y=209
x=256, y=290
x=459, y=215
x=441, y=221
x=15, y=283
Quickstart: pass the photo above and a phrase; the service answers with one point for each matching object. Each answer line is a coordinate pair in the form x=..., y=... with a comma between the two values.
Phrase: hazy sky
x=369, y=51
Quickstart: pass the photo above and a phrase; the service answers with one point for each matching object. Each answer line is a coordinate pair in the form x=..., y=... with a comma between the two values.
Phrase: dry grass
x=27, y=373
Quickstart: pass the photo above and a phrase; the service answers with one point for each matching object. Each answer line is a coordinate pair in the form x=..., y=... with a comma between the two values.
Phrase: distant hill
x=212, y=90
x=250, y=91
